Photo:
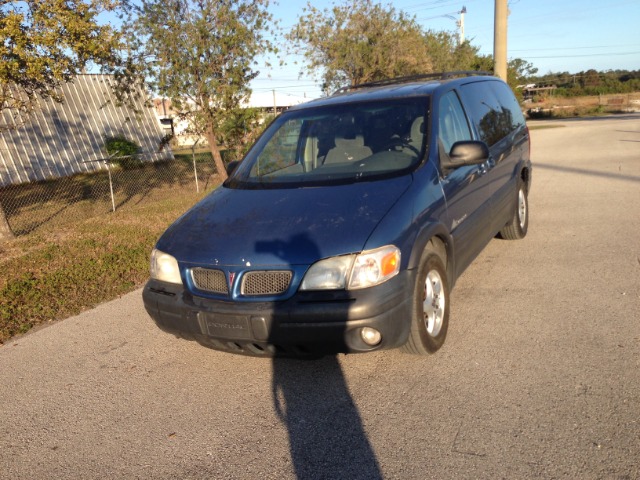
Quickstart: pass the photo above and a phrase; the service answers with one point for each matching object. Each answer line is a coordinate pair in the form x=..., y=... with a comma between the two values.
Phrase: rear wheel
x=430, y=318
x=517, y=227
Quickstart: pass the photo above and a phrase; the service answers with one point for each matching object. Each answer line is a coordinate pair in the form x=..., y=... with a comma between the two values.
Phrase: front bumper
x=309, y=323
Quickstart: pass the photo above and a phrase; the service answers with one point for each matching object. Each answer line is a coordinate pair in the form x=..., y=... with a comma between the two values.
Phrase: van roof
x=416, y=85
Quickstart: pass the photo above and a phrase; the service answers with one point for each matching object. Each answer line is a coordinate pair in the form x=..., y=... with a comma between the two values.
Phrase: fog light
x=371, y=336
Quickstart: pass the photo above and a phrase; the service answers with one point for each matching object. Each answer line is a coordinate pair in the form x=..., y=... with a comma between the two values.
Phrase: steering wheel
x=399, y=142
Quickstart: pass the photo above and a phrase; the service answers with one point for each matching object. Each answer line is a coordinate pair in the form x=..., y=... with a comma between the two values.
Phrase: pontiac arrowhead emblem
x=232, y=276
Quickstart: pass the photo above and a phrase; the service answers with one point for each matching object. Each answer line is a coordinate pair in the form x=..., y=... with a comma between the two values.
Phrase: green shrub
x=124, y=151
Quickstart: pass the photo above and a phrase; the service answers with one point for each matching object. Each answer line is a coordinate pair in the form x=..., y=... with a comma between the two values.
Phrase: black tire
x=517, y=227
x=429, y=328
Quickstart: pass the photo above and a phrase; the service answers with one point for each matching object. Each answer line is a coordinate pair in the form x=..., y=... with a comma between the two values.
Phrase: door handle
x=487, y=165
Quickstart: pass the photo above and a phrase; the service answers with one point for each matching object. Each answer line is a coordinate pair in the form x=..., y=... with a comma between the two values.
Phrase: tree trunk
x=215, y=152
x=5, y=230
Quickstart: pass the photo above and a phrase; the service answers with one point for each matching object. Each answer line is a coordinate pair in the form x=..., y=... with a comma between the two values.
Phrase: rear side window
x=493, y=108
x=507, y=100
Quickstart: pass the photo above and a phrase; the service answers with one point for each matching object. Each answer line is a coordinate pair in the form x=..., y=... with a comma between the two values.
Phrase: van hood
x=298, y=226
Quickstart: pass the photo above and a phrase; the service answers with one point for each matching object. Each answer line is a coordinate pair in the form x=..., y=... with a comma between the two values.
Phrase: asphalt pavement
x=539, y=377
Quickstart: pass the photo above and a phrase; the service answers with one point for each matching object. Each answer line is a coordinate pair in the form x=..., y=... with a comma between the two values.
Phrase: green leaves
x=358, y=43
x=120, y=145
x=122, y=151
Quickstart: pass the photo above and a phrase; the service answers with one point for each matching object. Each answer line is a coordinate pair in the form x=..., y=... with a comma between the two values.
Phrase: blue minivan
x=346, y=225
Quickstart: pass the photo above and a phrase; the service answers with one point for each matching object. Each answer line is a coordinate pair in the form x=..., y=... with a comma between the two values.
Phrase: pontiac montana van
x=346, y=225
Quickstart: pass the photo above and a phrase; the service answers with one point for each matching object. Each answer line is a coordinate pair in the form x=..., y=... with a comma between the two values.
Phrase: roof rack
x=413, y=78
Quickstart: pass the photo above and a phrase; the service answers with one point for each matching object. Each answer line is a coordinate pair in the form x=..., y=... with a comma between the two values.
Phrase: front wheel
x=430, y=317
x=517, y=227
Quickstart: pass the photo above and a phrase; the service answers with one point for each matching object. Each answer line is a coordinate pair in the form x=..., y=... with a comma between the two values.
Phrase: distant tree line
x=590, y=82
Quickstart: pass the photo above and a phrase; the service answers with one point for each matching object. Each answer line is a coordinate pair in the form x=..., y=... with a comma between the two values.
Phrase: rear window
x=336, y=144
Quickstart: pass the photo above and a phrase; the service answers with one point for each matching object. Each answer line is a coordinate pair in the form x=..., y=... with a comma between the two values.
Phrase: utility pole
x=500, y=39
x=275, y=105
x=461, y=25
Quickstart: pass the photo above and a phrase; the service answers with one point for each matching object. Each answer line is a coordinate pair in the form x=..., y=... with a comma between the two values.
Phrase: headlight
x=164, y=267
x=352, y=272
x=375, y=267
x=328, y=274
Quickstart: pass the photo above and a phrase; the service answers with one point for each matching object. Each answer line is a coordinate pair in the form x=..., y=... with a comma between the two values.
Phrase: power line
x=434, y=5
x=573, y=48
x=444, y=15
x=569, y=13
x=587, y=55
x=286, y=87
x=285, y=79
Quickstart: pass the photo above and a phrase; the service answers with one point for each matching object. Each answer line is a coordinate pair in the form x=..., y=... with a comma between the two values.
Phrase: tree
x=200, y=54
x=241, y=127
x=448, y=55
x=42, y=45
x=360, y=42
x=590, y=78
x=518, y=70
x=46, y=43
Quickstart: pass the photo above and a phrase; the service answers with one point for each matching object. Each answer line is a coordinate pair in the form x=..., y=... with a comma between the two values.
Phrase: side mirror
x=231, y=166
x=465, y=153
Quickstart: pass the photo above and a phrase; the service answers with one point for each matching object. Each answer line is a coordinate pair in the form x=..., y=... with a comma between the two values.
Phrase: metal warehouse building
x=62, y=139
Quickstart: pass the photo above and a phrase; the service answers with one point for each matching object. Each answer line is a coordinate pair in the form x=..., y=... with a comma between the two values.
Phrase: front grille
x=269, y=282
x=213, y=281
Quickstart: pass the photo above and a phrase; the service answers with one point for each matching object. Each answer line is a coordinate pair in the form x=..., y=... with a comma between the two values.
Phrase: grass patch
x=568, y=112
x=533, y=126
x=203, y=155
x=558, y=107
x=46, y=205
x=52, y=275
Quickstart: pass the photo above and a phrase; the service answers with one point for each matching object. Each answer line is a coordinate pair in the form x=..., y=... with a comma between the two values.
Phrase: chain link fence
x=31, y=207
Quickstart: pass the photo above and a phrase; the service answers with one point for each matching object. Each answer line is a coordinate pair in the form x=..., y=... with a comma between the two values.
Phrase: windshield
x=339, y=143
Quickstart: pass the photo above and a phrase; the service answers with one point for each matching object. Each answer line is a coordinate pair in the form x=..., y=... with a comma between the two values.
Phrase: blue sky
x=553, y=35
